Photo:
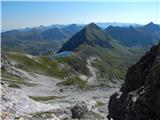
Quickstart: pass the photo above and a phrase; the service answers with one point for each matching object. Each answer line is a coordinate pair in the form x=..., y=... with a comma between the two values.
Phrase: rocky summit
x=139, y=98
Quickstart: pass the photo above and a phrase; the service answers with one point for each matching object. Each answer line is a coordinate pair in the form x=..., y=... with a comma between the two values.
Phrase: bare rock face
x=8, y=67
x=79, y=109
x=14, y=103
x=139, y=97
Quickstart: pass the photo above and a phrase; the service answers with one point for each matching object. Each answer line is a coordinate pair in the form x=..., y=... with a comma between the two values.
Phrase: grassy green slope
x=41, y=65
x=46, y=66
x=113, y=61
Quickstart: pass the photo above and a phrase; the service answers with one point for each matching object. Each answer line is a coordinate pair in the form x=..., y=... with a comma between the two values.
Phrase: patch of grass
x=14, y=86
x=75, y=62
x=75, y=81
x=99, y=103
x=44, y=98
x=65, y=59
x=51, y=67
x=5, y=74
x=13, y=79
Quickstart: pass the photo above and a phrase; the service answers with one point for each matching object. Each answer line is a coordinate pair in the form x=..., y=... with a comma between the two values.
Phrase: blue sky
x=18, y=14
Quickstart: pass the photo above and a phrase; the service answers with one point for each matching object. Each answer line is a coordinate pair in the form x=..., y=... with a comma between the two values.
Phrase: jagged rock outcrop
x=139, y=97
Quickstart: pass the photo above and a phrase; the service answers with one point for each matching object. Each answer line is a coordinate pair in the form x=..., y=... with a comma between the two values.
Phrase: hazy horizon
x=18, y=15
x=114, y=22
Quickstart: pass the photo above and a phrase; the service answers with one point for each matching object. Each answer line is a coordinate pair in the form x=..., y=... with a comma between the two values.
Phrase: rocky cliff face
x=139, y=97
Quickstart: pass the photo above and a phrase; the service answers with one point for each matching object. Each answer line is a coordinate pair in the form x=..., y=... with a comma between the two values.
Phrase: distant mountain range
x=39, y=40
x=53, y=34
x=72, y=29
x=46, y=40
x=84, y=50
x=44, y=33
x=103, y=25
x=129, y=36
x=135, y=36
x=107, y=24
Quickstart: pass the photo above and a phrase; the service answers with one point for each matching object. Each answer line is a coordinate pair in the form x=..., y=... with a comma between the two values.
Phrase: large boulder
x=140, y=98
x=79, y=109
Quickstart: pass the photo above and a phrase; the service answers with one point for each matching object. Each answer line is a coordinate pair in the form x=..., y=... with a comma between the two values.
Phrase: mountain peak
x=151, y=23
x=90, y=35
x=92, y=25
x=152, y=27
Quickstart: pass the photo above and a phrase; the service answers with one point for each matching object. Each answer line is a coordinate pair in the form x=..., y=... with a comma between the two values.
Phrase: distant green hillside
x=31, y=42
x=114, y=58
x=38, y=40
x=61, y=67
x=113, y=62
x=41, y=64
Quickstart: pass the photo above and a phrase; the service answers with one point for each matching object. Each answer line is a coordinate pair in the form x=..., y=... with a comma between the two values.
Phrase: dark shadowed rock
x=140, y=99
